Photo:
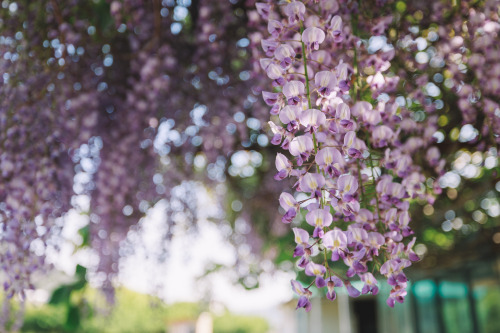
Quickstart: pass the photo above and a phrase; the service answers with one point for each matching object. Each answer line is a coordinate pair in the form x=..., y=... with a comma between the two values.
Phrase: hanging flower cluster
x=350, y=159
x=469, y=47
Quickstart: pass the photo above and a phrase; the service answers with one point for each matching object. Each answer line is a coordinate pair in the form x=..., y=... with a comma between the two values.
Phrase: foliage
x=133, y=312
x=229, y=323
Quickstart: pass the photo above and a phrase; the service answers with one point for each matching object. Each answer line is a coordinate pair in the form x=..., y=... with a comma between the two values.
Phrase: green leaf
x=72, y=319
x=60, y=295
x=81, y=271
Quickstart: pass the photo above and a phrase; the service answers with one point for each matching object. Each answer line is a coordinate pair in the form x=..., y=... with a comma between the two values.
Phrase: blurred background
x=134, y=140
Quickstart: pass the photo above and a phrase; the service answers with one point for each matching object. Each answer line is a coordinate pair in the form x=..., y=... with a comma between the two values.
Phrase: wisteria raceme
x=123, y=103
x=351, y=158
x=126, y=107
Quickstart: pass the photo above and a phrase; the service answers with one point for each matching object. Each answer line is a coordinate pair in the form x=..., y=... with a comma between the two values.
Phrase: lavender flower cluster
x=351, y=159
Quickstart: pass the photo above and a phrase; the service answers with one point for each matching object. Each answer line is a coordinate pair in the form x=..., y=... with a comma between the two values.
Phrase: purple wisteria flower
x=275, y=28
x=336, y=241
x=295, y=12
x=350, y=145
x=312, y=183
x=263, y=9
x=283, y=165
x=317, y=270
x=312, y=119
x=321, y=117
x=330, y=160
x=319, y=218
x=312, y=37
x=304, y=295
x=331, y=283
x=302, y=240
x=289, y=116
x=285, y=55
x=301, y=147
x=343, y=115
x=353, y=292
x=370, y=284
x=335, y=29
x=393, y=270
x=382, y=136
x=326, y=82
x=290, y=205
x=293, y=91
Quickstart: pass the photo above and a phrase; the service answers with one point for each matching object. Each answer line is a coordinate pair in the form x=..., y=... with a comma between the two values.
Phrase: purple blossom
x=263, y=9
x=312, y=119
x=375, y=241
x=301, y=147
x=312, y=37
x=397, y=294
x=350, y=145
x=318, y=271
x=319, y=218
x=336, y=29
x=269, y=46
x=290, y=205
x=336, y=241
x=270, y=98
x=285, y=55
x=332, y=282
x=283, y=165
x=326, y=82
x=293, y=91
x=330, y=160
x=289, y=116
x=353, y=292
x=382, y=135
x=343, y=115
x=312, y=183
x=295, y=11
x=347, y=186
x=304, y=295
x=393, y=270
x=370, y=284
x=275, y=28
x=302, y=240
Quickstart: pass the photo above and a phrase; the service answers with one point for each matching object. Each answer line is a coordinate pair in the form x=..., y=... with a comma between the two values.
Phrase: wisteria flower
x=382, y=135
x=312, y=183
x=290, y=205
x=319, y=218
x=263, y=9
x=312, y=37
x=295, y=11
x=304, y=295
x=318, y=271
x=289, y=116
x=293, y=91
x=301, y=147
x=326, y=82
x=393, y=270
x=335, y=29
x=274, y=28
x=336, y=241
x=283, y=165
x=350, y=145
x=330, y=160
x=343, y=115
x=312, y=119
x=302, y=240
x=331, y=283
x=370, y=284
x=285, y=54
